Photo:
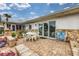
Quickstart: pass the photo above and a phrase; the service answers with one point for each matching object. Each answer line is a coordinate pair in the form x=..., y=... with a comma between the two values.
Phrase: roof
x=67, y=12
x=10, y=22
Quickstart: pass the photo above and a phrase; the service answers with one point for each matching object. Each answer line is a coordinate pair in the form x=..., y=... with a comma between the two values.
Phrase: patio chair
x=61, y=35
x=23, y=34
x=28, y=37
x=34, y=37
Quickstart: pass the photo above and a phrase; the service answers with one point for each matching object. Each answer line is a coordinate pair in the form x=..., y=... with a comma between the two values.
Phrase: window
x=17, y=27
x=30, y=27
x=8, y=26
x=13, y=27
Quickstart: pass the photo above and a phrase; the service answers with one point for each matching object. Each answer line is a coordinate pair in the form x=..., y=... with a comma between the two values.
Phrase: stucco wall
x=67, y=22
x=34, y=26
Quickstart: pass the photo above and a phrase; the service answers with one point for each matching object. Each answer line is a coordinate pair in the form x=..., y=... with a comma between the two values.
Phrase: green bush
x=74, y=45
x=13, y=34
x=1, y=31
x=20, y=34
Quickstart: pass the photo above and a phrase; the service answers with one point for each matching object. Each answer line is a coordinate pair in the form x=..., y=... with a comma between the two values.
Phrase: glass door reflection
x=45, y=29
x=52, y=29
x=40, y=29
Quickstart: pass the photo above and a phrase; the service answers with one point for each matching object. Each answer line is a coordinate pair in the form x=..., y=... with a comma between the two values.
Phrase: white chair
x=32, y=36
x=23, y=34
x=28, y=37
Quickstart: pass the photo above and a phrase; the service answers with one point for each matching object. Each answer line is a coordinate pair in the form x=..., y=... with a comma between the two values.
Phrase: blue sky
x=26, y=11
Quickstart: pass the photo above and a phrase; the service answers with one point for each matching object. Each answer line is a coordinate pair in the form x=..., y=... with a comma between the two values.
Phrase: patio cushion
x=11, y=53
x=61, y=35
x=8, y=52
x=2, y=42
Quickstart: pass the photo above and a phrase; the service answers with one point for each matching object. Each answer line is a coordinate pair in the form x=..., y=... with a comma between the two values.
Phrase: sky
x=21, y=12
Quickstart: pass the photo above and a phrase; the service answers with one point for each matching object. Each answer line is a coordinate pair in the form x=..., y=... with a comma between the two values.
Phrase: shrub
x=74, y=45
x=13, y=34
x=20, y=34
x=1, y=31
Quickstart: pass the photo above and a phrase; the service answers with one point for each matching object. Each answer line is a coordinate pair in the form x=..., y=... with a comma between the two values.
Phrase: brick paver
x=48, y=47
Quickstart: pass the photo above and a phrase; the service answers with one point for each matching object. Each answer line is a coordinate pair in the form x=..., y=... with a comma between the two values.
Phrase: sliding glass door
x=45, y=29
x=40, y=29
x=52, y=29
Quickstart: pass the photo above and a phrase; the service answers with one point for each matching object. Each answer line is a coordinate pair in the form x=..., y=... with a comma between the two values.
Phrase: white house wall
x=67, y=22
x=34, y=26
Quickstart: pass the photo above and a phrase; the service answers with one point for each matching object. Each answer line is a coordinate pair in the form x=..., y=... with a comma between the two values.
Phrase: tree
x=7, y=17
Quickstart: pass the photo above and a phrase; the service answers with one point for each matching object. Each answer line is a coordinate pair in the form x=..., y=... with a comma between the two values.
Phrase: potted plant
x=1, y=32
x=13, y=34
x=74, y=45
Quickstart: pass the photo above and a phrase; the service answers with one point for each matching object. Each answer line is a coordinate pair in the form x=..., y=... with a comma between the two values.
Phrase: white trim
x=48, y=29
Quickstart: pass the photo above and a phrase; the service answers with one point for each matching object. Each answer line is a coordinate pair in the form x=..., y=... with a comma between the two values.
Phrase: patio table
x=32, y=35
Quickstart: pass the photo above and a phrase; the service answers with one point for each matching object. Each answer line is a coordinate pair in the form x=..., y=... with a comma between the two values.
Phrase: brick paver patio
x=48, y=47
